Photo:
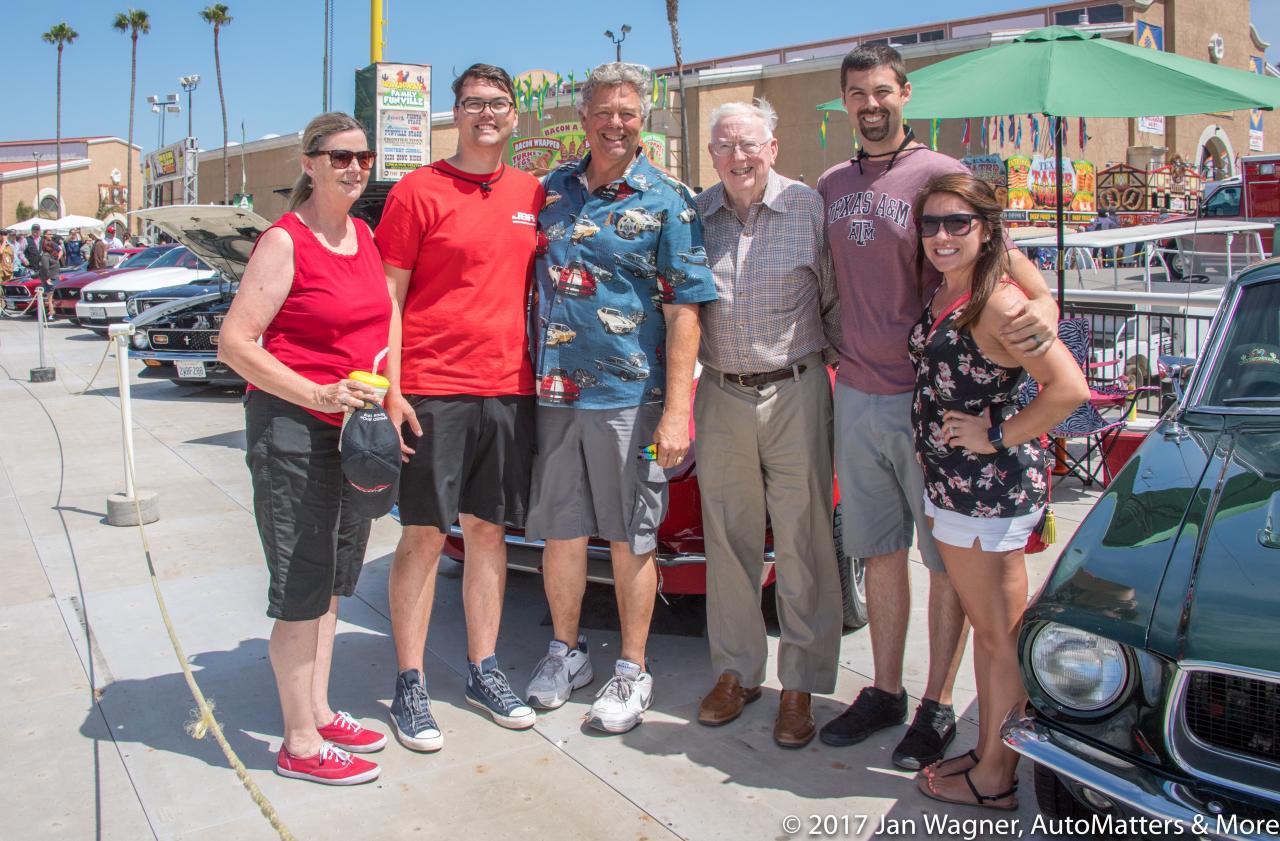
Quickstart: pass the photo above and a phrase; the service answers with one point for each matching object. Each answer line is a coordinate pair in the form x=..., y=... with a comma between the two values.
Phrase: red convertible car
x=681, y=555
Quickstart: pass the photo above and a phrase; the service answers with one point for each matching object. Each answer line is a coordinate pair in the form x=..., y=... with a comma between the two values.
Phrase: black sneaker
x=411, y=717
x=873, y=709
x=927, y=738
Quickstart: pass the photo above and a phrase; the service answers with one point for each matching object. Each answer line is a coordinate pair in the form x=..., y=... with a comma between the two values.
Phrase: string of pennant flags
x=995, y=130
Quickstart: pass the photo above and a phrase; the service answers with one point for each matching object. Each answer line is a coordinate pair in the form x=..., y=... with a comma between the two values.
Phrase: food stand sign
x=1031, y=192
x=393, y=102
x=562, y=143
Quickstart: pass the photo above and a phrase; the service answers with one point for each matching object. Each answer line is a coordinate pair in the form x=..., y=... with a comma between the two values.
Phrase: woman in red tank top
x=312, y=306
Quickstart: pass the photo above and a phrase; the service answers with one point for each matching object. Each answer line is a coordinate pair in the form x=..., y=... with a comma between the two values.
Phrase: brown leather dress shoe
x=724, y=703
x=795, y=726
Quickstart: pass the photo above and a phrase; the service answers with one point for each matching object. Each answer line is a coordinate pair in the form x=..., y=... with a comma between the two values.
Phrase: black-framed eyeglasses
x=957, y=224
x=499, y=106
x=341, y=158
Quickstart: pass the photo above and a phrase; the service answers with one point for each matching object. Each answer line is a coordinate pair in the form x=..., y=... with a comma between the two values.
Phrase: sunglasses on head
x=341, y=158
x=957, y=224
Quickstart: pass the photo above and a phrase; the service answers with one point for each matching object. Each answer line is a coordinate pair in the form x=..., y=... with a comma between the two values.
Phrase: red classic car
x=681, y=554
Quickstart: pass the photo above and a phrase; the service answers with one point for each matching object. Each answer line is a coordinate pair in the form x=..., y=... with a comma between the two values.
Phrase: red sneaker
x=331, y=766
x=345, y=732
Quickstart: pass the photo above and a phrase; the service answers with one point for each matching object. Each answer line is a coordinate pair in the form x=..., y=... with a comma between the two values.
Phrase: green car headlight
x=1079, y=670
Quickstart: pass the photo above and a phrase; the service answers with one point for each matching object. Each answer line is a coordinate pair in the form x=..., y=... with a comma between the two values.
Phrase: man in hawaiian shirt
x=618, y=294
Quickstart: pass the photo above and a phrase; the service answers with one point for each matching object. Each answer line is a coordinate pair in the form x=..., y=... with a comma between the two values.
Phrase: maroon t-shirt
x=337, y=314
x=872, y=237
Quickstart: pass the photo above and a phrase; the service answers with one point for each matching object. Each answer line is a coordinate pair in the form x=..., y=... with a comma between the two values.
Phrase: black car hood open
x=221, y=236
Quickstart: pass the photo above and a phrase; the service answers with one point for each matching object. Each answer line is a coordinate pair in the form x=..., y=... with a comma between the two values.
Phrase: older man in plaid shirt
x=764, y=421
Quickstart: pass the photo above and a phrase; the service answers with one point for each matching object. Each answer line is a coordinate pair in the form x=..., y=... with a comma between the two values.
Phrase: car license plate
x=190, y=370
x=98, y=312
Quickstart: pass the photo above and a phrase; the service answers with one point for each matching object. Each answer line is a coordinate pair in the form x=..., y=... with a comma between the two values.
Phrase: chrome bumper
x=1137, y=789
x=598, y=553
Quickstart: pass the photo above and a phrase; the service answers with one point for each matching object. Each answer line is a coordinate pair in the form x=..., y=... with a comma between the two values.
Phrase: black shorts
x=314, y=544
x=475, y=457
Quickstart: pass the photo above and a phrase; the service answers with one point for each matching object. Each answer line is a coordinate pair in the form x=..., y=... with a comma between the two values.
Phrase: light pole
x=189, y=84
x=37, y=155
x=617, y=42
x=160, y=106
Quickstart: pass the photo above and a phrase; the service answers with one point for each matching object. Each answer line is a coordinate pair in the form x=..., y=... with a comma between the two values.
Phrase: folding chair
x=1087, y=422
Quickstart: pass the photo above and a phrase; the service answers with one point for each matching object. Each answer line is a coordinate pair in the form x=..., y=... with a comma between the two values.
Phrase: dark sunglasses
x=341, y=158
x=957, y=224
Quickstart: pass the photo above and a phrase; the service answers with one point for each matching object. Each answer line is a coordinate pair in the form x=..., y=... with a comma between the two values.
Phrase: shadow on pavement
x=154, y=712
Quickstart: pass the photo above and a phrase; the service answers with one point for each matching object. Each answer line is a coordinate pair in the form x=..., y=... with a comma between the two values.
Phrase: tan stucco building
x=796, y=79
x=94, y=179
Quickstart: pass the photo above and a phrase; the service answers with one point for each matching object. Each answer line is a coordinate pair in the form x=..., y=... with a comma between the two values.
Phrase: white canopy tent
x=59, y=226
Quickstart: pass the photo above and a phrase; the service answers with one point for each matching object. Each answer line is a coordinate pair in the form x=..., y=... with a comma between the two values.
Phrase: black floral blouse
x=952, y=372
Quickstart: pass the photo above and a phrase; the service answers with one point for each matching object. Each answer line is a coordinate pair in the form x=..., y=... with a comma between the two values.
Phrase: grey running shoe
x=558, y=674
x=620, y=705
x=411, y=714
x=487, y=689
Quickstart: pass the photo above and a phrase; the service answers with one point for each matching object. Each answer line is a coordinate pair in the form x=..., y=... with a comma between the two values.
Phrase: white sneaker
x=558, y=674
x=620, y=705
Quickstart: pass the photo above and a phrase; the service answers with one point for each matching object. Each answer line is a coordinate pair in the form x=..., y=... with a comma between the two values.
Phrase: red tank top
x=337, y=315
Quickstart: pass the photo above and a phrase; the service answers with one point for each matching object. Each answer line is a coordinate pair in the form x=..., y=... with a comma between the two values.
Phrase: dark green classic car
x=1151, y=656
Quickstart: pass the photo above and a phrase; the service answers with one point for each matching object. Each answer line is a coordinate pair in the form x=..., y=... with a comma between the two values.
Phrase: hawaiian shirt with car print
x=611, y=259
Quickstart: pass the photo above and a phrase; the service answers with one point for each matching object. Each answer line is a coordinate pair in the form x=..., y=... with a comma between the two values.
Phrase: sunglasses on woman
x=957, y=224
x=341, y=158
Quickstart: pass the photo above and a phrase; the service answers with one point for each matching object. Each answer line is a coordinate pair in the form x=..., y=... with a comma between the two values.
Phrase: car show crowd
x=541, y=341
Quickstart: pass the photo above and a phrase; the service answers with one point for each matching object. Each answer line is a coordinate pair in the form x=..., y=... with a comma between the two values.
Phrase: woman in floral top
x=986, y=473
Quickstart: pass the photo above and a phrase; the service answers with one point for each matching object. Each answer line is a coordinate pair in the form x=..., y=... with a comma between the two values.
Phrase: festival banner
x=1255, y=116
x=166, y=164
x=1151, y=37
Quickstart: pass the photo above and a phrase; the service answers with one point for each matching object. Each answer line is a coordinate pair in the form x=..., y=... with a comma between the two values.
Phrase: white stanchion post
x=123, y=509
x=45, y=373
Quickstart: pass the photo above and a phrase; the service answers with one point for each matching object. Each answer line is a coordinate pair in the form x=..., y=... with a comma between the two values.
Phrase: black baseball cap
x=370, y=462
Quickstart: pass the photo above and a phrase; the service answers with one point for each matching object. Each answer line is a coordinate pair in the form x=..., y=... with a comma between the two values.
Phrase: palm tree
x=673, y=21
x=217, y=16
x=135, y=22
x=60, y=34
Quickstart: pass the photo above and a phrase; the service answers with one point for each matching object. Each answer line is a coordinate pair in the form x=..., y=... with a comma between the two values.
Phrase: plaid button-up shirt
x=776, y=289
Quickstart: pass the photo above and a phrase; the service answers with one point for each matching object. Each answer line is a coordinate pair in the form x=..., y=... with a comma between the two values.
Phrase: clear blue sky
x=272, y=52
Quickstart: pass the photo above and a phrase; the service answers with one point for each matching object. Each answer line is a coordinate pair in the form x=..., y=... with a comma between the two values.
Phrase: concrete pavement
x=94, y=703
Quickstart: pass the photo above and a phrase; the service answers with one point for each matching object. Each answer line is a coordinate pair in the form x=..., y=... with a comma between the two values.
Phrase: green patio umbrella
x=1062, y=72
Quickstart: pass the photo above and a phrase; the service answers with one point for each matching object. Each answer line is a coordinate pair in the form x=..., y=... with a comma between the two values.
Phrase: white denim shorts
x=994, y=534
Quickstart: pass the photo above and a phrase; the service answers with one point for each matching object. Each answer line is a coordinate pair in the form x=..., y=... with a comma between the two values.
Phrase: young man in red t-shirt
x=457, y=239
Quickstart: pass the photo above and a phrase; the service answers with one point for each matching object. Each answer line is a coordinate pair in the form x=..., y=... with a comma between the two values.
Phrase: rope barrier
x=203, y=722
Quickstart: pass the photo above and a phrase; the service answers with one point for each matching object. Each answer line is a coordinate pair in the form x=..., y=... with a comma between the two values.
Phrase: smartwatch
x=995, y=435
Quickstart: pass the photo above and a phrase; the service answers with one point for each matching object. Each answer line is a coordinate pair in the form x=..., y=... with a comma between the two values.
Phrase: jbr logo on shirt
x=521, y=218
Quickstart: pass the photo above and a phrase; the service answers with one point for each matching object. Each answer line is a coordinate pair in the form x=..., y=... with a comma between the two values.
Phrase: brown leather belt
x=757, y=380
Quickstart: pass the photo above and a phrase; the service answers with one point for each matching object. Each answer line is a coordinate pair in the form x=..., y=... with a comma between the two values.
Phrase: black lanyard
x=485, y=186
x=907, y=139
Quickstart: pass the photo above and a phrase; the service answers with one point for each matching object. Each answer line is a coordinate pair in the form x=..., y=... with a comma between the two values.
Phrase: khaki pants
x=769, y=449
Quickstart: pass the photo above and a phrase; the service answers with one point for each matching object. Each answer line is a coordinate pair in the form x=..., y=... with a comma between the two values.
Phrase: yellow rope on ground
x=205, y=722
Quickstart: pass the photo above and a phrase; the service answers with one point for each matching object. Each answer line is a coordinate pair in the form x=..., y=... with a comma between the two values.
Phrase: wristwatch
x=995, y=435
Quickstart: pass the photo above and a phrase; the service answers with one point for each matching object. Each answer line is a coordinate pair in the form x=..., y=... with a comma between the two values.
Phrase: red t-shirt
x=470, y=252
x=337, y=315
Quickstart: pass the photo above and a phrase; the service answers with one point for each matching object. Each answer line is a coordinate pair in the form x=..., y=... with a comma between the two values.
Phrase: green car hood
x=1226, y=607
x=1143, y=569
